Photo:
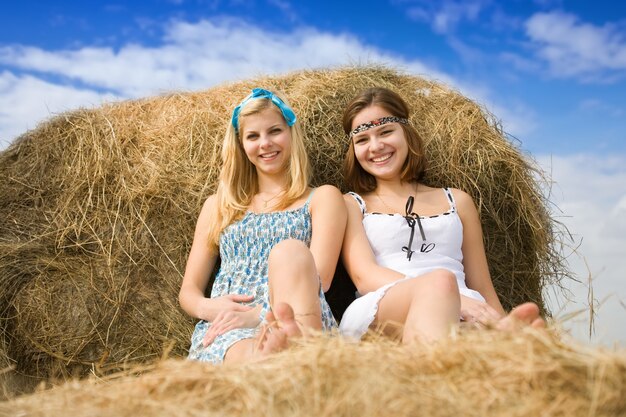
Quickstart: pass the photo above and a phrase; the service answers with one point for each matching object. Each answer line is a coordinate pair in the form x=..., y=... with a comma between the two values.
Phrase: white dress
x=436, y=244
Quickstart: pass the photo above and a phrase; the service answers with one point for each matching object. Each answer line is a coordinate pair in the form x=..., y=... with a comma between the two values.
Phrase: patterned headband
x=287, y=112
x=378, y=122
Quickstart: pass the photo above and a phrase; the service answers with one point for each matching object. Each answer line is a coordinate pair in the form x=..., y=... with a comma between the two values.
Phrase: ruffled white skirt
x=361, y=313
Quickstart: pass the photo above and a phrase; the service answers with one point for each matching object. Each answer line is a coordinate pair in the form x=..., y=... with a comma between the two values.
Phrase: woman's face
x=266, y=140
x=381, y=150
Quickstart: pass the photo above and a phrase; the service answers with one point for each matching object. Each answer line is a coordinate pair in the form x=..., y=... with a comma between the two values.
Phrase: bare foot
x=523, y=315
x=280, y=329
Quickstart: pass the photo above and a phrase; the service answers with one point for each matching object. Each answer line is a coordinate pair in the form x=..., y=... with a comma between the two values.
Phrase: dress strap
x=308, y=200
x=359, y=201
x=450, y=199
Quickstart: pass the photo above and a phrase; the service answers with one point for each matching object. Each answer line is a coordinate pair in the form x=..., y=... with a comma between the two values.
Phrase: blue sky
x=555, y=68
x=553, y=71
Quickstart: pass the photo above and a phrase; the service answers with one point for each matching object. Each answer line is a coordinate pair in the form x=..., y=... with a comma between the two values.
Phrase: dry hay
x=98, y=209
x=478, y=374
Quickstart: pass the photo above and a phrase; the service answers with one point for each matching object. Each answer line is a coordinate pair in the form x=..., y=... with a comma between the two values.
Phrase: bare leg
x=281, y=328
x=294, y=294
x=241, y=351
x=293, y=280
x=526, y=314
x=427, y=306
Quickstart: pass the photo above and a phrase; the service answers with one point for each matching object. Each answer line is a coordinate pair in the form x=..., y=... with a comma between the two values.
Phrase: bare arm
x=328, y=214
x=358, y=257
x=200, y=263
x=477, y=275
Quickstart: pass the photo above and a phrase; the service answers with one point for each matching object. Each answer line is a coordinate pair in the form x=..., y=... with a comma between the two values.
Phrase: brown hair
x=355, y=177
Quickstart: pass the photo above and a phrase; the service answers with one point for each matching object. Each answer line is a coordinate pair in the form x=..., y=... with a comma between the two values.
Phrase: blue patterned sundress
x=244, y=250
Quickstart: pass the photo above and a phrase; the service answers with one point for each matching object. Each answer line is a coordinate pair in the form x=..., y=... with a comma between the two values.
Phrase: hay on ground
x=476, y=374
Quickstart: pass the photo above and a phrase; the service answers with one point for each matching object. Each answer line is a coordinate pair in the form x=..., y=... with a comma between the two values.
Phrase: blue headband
x=288, y=114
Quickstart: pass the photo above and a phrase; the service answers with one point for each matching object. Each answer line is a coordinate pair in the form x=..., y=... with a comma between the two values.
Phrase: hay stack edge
x=97, y=215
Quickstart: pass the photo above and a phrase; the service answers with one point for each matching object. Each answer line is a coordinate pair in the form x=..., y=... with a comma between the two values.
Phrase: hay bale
x=13, y=383
x=6, y=368
x=98, y=209
x=476, y=374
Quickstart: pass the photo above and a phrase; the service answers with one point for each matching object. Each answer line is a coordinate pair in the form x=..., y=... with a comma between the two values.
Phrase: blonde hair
x=238, y=182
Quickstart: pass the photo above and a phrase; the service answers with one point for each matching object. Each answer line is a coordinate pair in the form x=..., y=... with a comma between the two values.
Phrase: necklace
x=266, y=202
x=387, y=206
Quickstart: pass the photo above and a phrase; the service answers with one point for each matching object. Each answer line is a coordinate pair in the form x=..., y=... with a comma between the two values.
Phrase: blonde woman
x=278, y=240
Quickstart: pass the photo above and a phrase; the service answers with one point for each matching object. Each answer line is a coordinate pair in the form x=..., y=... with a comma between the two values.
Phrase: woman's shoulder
x=464, y=202
x=326, y=191
x=358, y=196
x=328, y=197
x=209, y=205
x=210, y=201
x=352, y=197
x=207, y=213
x=356, y=202
x=461, y=197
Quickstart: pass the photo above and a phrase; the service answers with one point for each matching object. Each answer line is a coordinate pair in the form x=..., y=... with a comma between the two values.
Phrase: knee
x=291, y=262
x=290, y=252
x=444, y=282
x=292, y=269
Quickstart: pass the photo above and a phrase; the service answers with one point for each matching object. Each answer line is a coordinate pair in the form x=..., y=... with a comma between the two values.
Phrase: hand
x=474, y=311
x=209, y=308
x=229, y=320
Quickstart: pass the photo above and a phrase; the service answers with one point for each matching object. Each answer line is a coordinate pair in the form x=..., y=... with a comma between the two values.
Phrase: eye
x=386, y=132
x=251, y=136
x=360, y=140
x=276, y=130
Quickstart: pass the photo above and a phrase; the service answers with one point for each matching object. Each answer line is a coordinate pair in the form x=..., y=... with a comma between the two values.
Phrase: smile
x=382, y=158
x=269, y=155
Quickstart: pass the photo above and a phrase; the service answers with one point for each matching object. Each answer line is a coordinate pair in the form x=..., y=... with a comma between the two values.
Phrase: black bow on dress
x=412, y=218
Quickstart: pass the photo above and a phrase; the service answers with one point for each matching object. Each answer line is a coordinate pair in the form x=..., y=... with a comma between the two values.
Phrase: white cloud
x=25, y=100
x=590, y=192
x=286, y=8
x=520, y=62
x=517, y=118
x=191, y=56
x=444, y=16
x=600, y=107
x=572, y=48
x=197, y=55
